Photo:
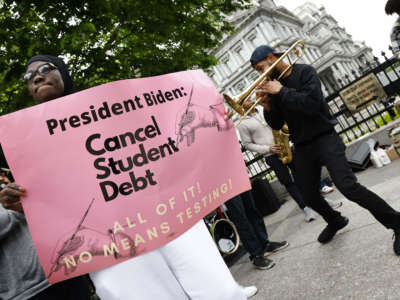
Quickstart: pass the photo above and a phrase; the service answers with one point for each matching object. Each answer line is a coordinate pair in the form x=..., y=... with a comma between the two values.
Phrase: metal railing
x=354, y=125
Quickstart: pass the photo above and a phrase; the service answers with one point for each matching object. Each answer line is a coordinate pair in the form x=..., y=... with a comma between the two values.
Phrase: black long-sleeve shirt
x=301, y=104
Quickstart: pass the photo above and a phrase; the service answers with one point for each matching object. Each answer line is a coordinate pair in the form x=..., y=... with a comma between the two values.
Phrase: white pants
x=189, y=267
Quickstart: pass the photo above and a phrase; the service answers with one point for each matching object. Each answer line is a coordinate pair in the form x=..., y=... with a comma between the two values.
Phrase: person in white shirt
x=256, y=136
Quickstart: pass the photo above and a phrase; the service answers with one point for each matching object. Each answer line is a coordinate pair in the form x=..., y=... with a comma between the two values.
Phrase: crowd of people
x=173, y=271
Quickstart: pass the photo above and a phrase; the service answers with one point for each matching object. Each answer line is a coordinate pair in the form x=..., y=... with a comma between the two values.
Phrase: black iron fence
x=352, y=125
x=256, y=166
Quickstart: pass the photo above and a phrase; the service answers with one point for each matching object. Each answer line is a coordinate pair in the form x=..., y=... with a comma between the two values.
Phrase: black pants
x=73, y=289
x=249, y=223
x=329, y=150
x=282, y=172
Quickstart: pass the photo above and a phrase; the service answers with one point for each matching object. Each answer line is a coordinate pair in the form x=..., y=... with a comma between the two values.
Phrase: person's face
x=247, y=104
x=264, y=64
x=44, y=87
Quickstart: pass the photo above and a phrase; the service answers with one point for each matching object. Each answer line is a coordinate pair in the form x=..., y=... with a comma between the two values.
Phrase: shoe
x=334, y=204
x=262, y=263
x=249, y=291
x=330, y=230
x=308, y=214
x=396, y=243
x=326, y=189
x=274, y=247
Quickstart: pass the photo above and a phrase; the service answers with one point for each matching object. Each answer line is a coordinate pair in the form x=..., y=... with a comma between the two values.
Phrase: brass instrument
x=281, y=137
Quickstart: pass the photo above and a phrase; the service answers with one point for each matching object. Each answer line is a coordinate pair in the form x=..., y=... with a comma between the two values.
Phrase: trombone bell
x=235, y=105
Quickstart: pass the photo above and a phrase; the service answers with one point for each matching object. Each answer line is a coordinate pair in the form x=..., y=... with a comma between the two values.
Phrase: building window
x=240, y=86
x=229, y=65
x=305, y=59
x=242, y=54
x=215, y=78
x=255, y=40
x=307, y=55
x=253, y=76
x=362, y=59
x=336, y=67
x=311, y=54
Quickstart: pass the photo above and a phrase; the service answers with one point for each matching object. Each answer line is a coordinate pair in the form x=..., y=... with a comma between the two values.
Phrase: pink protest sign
x=121, y=169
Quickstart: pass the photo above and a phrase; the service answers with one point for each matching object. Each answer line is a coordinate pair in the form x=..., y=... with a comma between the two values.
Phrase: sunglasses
x=42, y=70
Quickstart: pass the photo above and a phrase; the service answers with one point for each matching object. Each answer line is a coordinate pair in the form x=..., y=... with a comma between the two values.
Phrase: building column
x=222, y=71
x=219, y=72
x=348, y=66
x=308, y=56
x=234, y=58
x=332, y=77
x=261, y=33
x=325, y=83
x=355, y=66
x=305, y=59
x=342, y=69
x=270, y=31
x=249, y=50
x=347, y=70
x=266, y=31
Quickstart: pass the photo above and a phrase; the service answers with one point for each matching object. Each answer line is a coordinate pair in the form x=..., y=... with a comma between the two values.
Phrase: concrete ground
x=358, y=263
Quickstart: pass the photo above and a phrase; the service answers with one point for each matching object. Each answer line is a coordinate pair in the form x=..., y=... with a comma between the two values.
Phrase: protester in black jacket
x=297, y=99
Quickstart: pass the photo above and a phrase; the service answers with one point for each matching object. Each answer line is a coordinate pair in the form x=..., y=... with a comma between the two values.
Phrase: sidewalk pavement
x=358, y=264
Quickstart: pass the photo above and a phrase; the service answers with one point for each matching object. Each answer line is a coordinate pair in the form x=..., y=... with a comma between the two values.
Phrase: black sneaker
x=396, y=243
x=262, y=263
x=330, y=230
x=274, y=247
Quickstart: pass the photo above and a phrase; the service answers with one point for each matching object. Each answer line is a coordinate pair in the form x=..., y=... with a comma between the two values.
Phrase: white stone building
x=329, y=48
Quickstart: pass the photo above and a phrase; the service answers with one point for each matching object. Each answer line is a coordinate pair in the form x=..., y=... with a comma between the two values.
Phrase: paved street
x=358, y=263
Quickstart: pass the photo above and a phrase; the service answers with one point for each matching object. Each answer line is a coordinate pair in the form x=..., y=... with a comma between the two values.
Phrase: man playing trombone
x=297, y=99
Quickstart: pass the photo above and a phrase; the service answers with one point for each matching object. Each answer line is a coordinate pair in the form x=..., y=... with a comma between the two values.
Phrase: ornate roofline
x=256, y=12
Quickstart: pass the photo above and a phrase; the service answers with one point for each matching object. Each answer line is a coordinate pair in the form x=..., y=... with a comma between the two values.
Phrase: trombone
x=236, y=102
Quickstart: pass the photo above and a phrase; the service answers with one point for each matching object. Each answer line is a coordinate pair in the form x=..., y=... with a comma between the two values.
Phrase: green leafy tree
x=107, y=40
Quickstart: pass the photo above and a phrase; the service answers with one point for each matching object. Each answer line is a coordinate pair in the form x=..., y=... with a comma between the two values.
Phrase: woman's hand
x=10, y=197
x=275, y=149
x=228, y=114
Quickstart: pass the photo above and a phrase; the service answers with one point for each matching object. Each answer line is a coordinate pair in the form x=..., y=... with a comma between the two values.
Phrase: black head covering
x=69, y=87
x=260, y=53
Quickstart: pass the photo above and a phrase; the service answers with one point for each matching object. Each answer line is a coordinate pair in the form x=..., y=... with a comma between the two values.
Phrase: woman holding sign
x=189, y=267
x=21, y=275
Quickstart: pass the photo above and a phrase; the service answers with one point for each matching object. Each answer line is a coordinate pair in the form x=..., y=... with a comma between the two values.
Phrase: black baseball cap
x=260, y=53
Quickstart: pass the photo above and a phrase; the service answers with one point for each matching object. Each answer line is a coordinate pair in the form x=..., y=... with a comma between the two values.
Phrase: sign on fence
x=362, y=93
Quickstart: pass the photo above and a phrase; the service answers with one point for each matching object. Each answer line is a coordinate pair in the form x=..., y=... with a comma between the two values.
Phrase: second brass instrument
x=281, y=138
